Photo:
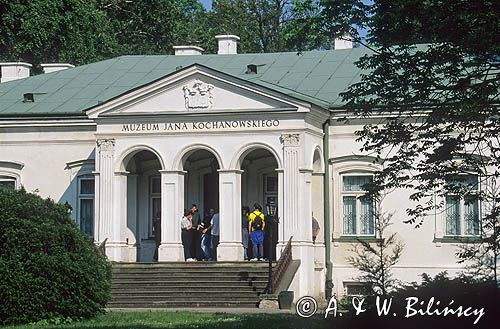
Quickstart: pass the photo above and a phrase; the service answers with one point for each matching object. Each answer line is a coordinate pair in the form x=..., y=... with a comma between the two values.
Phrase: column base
x=117, y=251
x=230, y=252
x=170, y=252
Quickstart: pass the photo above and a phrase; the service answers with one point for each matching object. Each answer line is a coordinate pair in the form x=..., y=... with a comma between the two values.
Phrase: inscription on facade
x=200, y=125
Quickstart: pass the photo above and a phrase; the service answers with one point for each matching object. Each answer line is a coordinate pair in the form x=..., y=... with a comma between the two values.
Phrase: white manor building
x=132, y=137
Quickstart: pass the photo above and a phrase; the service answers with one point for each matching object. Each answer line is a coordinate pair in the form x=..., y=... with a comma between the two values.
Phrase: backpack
x=257, y=223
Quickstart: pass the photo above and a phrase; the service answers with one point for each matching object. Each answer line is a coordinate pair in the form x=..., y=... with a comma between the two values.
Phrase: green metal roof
x=314, y=76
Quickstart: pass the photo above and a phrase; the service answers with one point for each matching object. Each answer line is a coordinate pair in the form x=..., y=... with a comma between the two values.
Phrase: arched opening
x=201, y=187
x=259, y=183
x=143, y=203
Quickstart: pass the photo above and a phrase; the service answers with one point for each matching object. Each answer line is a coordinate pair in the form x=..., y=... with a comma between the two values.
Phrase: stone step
x=181, y=294
x=204, y=287
x=182, y=284
x=177, y=304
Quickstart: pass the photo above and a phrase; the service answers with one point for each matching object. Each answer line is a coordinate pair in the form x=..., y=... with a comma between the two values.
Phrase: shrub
x=48, y=268
x=441, y=290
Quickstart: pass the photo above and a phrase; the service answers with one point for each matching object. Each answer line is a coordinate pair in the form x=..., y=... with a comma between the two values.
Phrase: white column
x=172, y=208
x=297, y=202
x=281, y=236
x=104, y=198
x=291, y=200
x=117, y=244
x=230, y=247
x=305, y=234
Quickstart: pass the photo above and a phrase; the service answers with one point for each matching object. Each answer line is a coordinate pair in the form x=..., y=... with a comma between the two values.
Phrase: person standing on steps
x=196, y=220
x=256, y=225
x=157, y=234
x=187, y=236
x=214, y=227
x=244, y=231
x=206, y=238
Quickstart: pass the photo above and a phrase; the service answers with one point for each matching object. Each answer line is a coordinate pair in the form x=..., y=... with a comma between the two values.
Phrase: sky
x=207, y=3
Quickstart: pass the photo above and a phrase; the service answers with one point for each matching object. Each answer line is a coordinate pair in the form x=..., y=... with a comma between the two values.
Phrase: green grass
x=176, y=320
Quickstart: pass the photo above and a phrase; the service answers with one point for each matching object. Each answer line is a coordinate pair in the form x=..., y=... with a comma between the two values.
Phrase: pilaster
x=230, y=247
x=172, y=208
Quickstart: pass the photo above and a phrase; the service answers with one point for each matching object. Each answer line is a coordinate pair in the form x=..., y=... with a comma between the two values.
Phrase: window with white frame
x=86, y=204
x=357, y=208
x=462, y=210
x=7, y=182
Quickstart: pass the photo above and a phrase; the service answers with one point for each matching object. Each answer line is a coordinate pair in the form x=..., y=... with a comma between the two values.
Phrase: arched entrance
x=259, y=183
x=143, y=225
x=201, y=186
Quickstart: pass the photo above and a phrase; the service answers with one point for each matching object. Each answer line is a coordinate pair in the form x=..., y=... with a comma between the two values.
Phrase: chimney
x=228, y=43
x=53, y=67
x=188, y=50
x=343, y=44
x=14, y=71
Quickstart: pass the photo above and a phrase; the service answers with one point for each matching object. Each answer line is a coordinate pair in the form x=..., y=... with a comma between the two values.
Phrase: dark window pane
x=8, y=184
x=87, y=186
x=156, y=185
x=271, y=184
x=87, y=216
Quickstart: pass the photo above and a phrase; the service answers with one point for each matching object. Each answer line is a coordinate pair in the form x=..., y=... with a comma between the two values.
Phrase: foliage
x=48, y=268
x=376, y=259
x=429, y=95
x=433, y=294
x=42, y=31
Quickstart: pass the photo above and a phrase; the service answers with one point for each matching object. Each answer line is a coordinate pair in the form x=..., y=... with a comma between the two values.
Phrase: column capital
x=279, y=170
x=178, y=172
x=230, y=171
x=122, y=173
x=290, y=139
x=106, y=144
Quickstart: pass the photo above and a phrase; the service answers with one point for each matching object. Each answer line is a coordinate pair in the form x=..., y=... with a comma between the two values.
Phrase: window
x=155, y=202
x=7, y=182
x=270, y=189
x=86, y=204
x=357, y=209
x=462, y=211
x=357, y=289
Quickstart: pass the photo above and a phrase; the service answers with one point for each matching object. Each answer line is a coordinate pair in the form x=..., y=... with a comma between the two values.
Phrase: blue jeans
x=215, y=243
x=205, y=246
x=258, y=251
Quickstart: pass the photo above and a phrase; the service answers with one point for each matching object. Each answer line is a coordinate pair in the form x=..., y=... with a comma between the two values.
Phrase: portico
x=225, y=155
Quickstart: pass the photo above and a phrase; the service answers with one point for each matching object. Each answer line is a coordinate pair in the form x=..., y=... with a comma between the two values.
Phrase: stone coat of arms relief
x=198, y=95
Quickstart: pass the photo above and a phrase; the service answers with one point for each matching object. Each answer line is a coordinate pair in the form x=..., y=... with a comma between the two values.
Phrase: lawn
x=159, y=319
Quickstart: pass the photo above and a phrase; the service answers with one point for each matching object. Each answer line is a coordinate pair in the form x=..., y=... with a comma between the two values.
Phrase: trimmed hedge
x=48, y=268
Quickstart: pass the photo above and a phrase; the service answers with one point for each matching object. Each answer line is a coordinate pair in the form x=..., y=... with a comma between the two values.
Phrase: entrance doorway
x=201, y=187
x=259, y=183
x=143, y=229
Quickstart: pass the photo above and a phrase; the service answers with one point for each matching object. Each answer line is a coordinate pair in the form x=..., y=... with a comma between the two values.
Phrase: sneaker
x=190, y=260
x=253, y=259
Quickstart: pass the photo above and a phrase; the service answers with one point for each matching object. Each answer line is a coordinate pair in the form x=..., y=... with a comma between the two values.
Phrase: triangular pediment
x=196, y=89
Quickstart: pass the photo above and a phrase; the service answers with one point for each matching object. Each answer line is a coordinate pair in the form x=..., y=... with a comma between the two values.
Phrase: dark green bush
x=48, y=268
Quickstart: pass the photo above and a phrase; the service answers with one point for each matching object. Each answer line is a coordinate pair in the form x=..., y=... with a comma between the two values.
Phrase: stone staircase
x=188, y=284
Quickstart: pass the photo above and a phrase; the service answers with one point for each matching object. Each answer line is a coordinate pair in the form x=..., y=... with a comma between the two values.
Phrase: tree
x=142, y=28
x=376, y=259
x=54, y=31
x=429, y=93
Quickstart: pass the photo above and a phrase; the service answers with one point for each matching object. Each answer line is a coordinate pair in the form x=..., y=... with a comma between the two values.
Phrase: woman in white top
x=186, y=236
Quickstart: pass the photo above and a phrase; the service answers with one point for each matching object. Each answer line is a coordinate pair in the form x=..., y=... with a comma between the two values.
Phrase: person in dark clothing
x=244, y=231
x=196, y=219
x=205, y=239
x=186, y=235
